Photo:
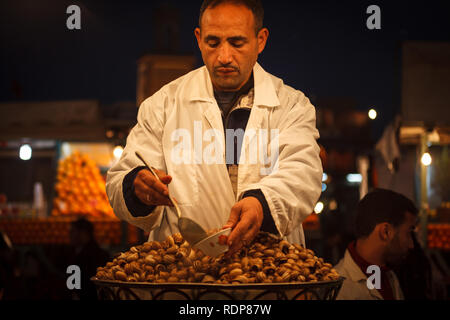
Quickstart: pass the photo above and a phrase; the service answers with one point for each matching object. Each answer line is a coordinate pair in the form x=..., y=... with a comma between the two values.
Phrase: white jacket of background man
x=180, y=131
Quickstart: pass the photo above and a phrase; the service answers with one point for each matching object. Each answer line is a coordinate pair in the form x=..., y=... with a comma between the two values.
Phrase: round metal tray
x=119, y=290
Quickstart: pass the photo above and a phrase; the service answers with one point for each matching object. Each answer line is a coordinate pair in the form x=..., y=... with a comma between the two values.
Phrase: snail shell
x=160, y=267
x=199, y=276
x=185, y=244
x=199, y=254
x=261, y=276
x=137, y=276
x=172, y=279
x=281, y=260
x=131, y=279
x=305, y=272
x=181, y=253
x=178, y=238
x=284, y=246
x=287, y=265
x=291, y=261
x=136, y=267
x=182, y=274
x=301, y=278
x=312, y=277
x=292, y=256
x=279, y=255
x=169, y=259
x=269, y=270
x=172, y=250
x=303, y=255
x=278, y=279
x=197, y=265
x=156, y=245
x=206, y=260
x=241, y=279
x=235, y=272
x=235, y=265
x=208, y=279
x=294, y=275
x=128, y=269
x=132, y=257
x=134, y=250
x=187, y=262
x=286, y=276
x=149, y=269
x=150, y=260
x=146, y=247
x=245, y=262
x=120, y=275
x=258, y=254
x=150, y=278
x=165, y=244
x=192, y=255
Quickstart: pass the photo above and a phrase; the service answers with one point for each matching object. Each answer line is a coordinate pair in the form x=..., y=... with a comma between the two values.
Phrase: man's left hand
x=246, y=218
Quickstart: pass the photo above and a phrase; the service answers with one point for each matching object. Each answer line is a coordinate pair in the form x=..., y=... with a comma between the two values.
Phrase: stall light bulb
x=319, y=207
x=118, y=150
x=354, y=178
x=372, y=114
x=426, y=159
x=324, y=177
x=333, y=205
x=25, y=152
x=324, y=187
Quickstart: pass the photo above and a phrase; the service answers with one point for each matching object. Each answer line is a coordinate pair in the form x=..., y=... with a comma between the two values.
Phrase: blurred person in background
x=10, y=274
x=384, y=224
x=88, y=255
x=419, y=276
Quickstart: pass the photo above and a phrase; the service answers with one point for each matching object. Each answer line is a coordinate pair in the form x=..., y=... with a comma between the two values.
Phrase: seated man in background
x=384, y=224
x=88, y=255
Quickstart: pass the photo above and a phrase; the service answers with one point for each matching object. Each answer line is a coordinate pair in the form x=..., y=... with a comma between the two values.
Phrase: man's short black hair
x=82, y=224
x=380, y=206
x=254, y=5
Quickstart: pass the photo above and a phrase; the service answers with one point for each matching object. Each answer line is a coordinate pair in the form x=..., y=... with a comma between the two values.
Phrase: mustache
x=226, y=66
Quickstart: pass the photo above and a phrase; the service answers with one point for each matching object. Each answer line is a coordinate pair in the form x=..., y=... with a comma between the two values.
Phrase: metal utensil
x=191, y=231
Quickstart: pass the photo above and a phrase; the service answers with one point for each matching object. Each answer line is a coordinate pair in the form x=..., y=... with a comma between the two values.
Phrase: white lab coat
x=204, y=191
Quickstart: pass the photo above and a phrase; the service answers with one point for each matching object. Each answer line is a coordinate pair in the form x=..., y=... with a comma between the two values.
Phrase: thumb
x=234, y=216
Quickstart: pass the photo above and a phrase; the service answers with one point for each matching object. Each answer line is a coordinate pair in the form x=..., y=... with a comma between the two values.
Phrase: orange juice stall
x=79, y=191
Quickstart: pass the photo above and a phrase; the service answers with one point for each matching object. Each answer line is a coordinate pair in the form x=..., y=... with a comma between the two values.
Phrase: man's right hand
x=150, y=191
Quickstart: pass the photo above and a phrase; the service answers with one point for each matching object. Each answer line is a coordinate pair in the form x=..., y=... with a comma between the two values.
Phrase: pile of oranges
x=80, y=188
x=439, y=236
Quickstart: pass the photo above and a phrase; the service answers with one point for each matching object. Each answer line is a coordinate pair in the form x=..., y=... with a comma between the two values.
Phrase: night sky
x=320, y=47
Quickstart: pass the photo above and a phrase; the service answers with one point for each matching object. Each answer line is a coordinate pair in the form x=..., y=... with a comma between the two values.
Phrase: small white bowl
x=210, y=245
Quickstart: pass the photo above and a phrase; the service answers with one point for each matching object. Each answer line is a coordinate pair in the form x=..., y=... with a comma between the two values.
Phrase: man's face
x=397, y=249
x=229, y=45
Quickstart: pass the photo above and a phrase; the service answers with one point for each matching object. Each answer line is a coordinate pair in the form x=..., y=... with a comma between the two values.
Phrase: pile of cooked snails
x=266, y=260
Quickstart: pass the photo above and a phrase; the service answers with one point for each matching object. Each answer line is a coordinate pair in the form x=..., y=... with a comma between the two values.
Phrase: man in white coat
x=234, y=145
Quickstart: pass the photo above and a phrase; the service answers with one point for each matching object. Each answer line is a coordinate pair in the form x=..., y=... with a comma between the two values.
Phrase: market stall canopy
x=65, y=120
x=425, y=83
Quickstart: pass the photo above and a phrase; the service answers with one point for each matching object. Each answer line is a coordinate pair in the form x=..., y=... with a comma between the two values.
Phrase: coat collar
x=265, y=93
x=356, y=275
x=354, y=271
